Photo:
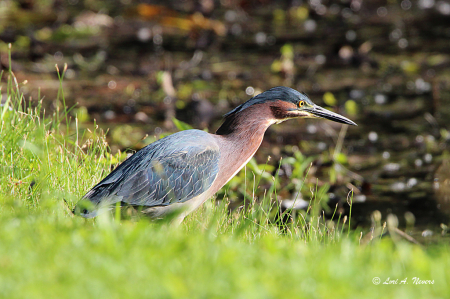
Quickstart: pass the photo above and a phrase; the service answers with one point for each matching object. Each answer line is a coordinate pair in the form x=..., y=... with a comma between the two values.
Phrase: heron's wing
x=171, y=170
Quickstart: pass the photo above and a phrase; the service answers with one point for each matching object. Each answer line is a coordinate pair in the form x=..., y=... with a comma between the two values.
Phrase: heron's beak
x=317, y=111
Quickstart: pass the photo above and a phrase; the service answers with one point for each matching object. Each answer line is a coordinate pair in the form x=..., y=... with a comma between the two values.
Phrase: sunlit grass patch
x=44, y=161
x=67, y=257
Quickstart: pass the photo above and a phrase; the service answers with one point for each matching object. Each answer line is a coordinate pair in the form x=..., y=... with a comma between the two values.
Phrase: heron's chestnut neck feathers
x=244, y=134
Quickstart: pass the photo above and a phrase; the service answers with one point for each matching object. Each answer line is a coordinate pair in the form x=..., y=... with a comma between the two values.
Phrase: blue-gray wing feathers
x=171, y=170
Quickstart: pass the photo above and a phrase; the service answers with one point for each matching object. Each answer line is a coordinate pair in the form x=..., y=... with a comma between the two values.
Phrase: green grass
x=47, y=164
x=46, y=256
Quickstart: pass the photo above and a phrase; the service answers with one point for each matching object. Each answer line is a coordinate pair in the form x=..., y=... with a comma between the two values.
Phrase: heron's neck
x=248, y=132
x=245, y=135
x=246, y=129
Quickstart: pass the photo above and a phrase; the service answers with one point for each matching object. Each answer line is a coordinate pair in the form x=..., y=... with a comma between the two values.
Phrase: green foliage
x=410, y=67
x=40, y=160
x=66, y=32
x=286, y=60
x=126, y=135
x=182, y=126
x=299, y=13
x=246, y=182
x=279, y=16
x=351, y=107
x=287, y=51
x=341, y=158
x=329, y=99
x=81, y=114
x=50, y=257
x=46, y=165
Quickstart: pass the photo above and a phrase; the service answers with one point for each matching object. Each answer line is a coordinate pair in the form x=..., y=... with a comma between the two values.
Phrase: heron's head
x=277, y=105
x=286, y=103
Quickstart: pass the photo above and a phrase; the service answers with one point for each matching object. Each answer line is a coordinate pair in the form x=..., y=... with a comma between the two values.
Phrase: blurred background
x=144, y=69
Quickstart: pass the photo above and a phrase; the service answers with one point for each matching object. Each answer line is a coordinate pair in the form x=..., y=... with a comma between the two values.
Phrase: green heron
x=181, y=171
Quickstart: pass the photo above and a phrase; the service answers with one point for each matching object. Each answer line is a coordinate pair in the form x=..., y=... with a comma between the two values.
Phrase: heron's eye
x=301, y=103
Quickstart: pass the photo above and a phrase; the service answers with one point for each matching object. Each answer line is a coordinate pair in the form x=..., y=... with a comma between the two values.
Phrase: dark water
x=132, y=68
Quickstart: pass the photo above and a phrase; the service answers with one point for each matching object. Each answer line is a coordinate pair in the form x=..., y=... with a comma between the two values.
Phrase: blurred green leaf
x=410, y=67
x=82, y=114
x=351, y=108
x=180, y=104
x=299, y=13
x=182, y=126
x=43, y=34
x=341, y=158
x=184, y=91
x=22, y=42
x=126, y=135
x=434, y=60
x=279, y=16
x=287, y=51
x=276, y=66
x=329, y=99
